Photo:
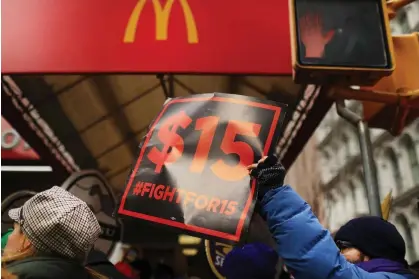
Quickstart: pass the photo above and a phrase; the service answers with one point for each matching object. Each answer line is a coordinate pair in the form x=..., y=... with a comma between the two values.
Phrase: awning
x=100, y=119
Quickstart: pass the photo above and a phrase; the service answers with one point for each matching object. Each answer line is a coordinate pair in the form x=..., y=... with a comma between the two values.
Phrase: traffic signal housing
x=393, y=102
x=345, y=42
x=393, y=114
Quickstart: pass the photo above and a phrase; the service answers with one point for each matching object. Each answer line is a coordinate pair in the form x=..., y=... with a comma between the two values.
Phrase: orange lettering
x=223, y=206
x=152, y=190
x=231, y=208
x=230, y=145
x=199, y=204
x=170, y=194
x=189, y=197
x=213, y=204
x=158, y=192
x=138, y=188
x=146, y=188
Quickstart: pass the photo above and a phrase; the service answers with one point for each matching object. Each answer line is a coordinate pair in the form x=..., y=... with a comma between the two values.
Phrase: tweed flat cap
x=55, y=221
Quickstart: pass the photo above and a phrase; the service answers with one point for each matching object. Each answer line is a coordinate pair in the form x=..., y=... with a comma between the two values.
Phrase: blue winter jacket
x=307, y=248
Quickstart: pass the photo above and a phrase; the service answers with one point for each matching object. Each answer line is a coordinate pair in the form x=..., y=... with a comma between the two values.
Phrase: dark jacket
x=308, y=249
x=99, y=262
x=45, y=267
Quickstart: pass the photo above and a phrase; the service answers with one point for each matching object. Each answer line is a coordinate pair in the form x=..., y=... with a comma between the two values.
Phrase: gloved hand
x=269, y=174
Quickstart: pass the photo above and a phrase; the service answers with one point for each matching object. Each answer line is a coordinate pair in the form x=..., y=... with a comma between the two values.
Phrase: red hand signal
x=312, y=35
x=173, y=143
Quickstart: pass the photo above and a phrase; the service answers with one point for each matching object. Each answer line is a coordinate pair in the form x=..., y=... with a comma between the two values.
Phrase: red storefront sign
x=147, y=36
x=13, y=146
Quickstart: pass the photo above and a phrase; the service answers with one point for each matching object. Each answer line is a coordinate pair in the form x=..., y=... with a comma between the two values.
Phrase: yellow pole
x=386, y=205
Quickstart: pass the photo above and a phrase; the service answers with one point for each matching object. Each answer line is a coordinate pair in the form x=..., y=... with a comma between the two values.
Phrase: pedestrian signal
x=340, y=41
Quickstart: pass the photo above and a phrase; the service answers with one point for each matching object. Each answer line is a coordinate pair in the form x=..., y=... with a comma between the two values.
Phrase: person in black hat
x=373, y=243
x=253, y=260
x=365, y=248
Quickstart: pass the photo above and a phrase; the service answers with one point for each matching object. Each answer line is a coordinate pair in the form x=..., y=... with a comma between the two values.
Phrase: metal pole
x=368, y=163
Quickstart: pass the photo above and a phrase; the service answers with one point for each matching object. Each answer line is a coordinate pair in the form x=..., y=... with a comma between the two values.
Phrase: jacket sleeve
x=307, y=248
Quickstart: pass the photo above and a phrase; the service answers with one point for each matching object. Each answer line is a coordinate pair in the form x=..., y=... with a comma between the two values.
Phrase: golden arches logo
x=162, y=15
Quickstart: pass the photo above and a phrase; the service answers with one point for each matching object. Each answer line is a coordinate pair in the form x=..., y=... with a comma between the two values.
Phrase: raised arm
x=307, y=248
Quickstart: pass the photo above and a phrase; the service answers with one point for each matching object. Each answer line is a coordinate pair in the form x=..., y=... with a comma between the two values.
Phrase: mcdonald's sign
x=146, y=36
x=162, y=14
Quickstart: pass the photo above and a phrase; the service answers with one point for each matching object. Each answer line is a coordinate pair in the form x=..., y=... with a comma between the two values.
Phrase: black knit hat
x=375, y=237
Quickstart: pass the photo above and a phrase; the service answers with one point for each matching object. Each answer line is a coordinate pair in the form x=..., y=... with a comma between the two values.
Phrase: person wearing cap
x=365, y=248
x=53, y=233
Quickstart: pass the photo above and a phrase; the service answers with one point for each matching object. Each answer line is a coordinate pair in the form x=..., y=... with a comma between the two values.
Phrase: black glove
x=269, y=174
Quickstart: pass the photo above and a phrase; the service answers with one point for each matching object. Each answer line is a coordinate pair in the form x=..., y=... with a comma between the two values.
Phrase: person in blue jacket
x=365, y=248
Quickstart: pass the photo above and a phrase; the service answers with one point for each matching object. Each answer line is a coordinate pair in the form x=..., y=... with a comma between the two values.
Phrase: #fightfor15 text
x=170, y=194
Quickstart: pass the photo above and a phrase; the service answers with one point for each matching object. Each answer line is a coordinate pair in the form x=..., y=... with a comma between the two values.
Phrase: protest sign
x=191, y=170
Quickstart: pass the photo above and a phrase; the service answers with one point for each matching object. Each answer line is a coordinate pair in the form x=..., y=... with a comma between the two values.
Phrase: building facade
x=407, y=20
x=342, y=179
x=397, y=169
